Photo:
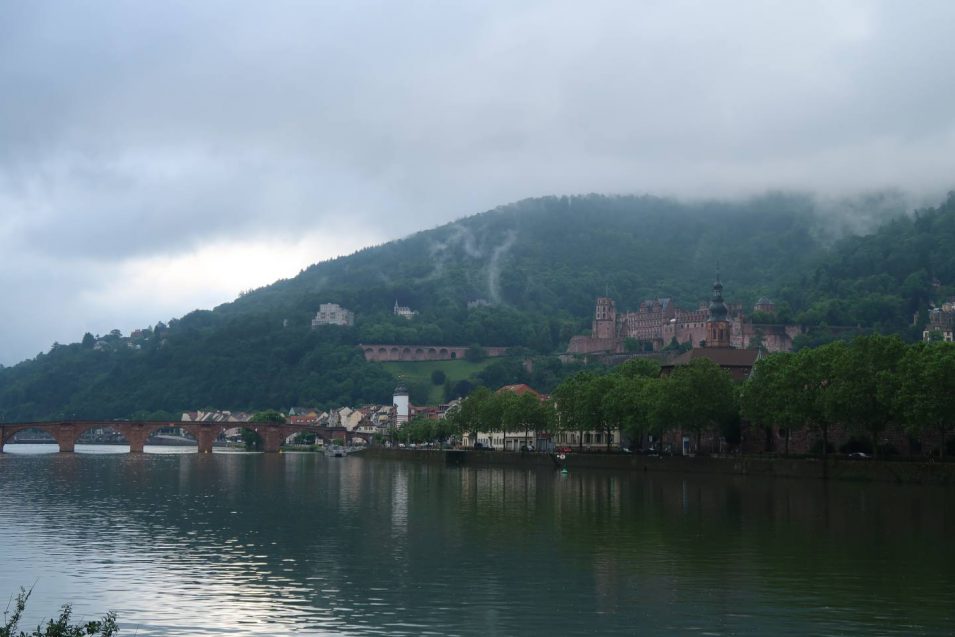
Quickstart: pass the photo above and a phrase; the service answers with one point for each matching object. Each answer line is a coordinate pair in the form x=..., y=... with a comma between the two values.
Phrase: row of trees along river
x=866, y=386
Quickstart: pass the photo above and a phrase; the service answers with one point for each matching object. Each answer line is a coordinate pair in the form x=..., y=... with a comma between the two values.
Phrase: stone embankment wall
x=900, y=472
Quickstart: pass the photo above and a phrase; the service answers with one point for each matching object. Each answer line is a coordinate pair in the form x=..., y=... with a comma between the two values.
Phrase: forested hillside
x=883, y=279
x=534, y=267
x=554, y=255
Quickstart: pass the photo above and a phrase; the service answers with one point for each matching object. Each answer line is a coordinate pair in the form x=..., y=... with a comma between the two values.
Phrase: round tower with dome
x=401, y=404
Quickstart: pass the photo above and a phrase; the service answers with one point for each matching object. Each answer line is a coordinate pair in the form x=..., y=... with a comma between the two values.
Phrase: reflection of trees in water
x=330, y=530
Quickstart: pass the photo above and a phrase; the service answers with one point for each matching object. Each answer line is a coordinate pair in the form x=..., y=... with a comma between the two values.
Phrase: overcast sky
x=160, y=157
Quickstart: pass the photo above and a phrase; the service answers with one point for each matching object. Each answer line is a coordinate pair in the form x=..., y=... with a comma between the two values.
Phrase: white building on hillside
x=403, y=311
x=333, y=314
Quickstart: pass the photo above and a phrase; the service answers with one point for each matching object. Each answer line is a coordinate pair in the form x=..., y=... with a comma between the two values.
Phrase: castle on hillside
x=658, y=323
x=332, y=314
x=941, y=323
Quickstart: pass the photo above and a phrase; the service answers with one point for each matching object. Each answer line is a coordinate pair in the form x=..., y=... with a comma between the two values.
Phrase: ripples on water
x=187, y=544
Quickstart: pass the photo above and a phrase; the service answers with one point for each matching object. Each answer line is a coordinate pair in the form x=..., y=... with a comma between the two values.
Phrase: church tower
x=717, y=327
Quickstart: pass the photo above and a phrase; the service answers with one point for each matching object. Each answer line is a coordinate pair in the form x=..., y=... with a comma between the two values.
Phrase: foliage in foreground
x=60, y=627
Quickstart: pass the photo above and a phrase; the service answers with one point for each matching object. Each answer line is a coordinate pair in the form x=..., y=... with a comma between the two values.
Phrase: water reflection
x=187, y=544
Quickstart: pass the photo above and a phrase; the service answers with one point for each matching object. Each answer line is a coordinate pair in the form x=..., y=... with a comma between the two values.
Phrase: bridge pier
x=135, y=434
x=272, y=440
x=65, y=436
x=205, y=436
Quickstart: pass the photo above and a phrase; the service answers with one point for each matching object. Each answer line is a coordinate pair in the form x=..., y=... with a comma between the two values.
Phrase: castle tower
x=717, y=327
x=605, y=318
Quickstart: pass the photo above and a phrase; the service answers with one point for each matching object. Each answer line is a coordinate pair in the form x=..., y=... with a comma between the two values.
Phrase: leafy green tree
x=813, y=373
x=269, y=415
x=866, y=383
x=628, y=404
x=700, y=397
x=523, y=411
x=475, y=353
x=444, y=429
x=926, y=397
x=638, y=368
x=491, y=414
x=579, y=401
x=466, y=418
x=251, y=439
x=791, y=391
x=438, y=377
x=418, y=430
x=419, y=392
x=459, y=389
x=770, y=395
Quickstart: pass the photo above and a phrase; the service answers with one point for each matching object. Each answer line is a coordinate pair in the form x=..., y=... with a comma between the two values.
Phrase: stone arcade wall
x=389, y=353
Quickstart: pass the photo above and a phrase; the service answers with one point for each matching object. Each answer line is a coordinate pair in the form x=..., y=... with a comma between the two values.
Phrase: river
x=179, y=543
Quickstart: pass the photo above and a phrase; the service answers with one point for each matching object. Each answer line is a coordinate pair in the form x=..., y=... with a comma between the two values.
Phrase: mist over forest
x=524, y=276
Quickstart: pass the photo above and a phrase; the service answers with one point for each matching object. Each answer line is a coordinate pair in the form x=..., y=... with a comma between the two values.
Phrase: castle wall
x=591, y=345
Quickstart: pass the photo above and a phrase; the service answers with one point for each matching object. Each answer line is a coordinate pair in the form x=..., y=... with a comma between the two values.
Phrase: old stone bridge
x=67, y=432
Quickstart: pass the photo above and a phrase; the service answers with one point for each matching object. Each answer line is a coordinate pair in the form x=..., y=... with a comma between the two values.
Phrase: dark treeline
x=531, y=271
x=866, y=386
x=632, y=397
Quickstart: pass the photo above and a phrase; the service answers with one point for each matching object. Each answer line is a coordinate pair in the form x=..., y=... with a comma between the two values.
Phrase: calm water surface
x=226, y=544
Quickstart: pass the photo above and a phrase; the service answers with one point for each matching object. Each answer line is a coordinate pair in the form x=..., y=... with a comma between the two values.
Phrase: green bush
x=60, y=627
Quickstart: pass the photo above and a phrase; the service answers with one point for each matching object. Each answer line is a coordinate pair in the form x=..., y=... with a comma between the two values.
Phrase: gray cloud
x=133, y=131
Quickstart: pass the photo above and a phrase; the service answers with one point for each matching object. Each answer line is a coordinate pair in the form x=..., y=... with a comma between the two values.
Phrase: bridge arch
x=32, y=434
x=171, y=434
x=96, y=433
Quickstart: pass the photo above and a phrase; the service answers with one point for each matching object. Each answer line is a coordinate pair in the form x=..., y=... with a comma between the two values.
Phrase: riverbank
x=837, y=468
